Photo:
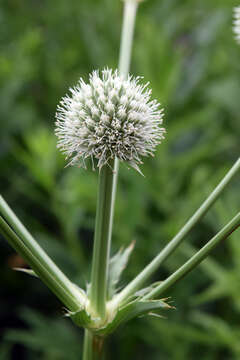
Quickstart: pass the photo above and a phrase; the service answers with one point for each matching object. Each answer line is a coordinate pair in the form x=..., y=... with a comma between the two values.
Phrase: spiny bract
x=111, y=116
x=236, y=23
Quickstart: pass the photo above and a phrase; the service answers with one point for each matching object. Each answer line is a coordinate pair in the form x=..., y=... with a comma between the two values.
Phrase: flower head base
x=236, y=23
x=109, y=117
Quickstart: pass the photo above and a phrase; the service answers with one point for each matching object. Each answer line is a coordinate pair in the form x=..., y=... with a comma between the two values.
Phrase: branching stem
x=23, y=242
x=196, y=259
x=147, y=272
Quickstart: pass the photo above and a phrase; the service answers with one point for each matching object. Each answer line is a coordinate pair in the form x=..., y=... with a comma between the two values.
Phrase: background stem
x=130, y=9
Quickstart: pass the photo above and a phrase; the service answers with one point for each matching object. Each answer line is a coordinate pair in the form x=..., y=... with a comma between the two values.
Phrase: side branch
x=196, y=259
x=147, y=272
x=23, y=242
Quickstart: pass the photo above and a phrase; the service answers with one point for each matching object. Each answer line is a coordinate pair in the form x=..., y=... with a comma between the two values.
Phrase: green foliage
x=51, y=337
x=187, y=52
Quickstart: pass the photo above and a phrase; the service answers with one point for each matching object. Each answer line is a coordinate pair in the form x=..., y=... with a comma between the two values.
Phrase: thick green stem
x=107, y=194
x=146, y=273
x=196, y=259
x=21, y=240
x=102, y=240
x=92, y=346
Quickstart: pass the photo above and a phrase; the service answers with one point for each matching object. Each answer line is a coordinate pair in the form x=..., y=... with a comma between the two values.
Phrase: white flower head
x=109, y=117
x=236, y=23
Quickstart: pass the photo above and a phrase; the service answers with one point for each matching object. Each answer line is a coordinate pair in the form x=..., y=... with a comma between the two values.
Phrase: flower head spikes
x=236, y=23
x=108, y=117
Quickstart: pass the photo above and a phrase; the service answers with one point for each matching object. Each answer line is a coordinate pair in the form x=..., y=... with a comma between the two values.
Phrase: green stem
x=146, y=273
x=87, y=345
x=92, y=346
x=108, y=185
x=39, y=261
x=102, y=240
x=107, y=193
x=129, y=16
x=196, y=259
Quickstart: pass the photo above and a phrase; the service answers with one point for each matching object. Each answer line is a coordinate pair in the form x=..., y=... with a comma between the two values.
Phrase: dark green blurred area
x=187, y=52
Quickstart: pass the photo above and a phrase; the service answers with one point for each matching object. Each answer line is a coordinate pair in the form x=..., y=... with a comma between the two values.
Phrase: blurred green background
x=186, y=50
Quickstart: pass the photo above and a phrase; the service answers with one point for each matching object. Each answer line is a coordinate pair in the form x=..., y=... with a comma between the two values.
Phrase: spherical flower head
x=108, y=117
x=236, y=23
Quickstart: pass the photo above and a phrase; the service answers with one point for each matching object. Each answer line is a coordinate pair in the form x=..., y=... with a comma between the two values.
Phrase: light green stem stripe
x=43, y=267
x=102, y=240
x=146, y=273
x=196, y=259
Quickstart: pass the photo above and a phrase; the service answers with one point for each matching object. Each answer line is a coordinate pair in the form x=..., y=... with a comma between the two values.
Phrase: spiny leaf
x=26, y=271
x=155, y=315
x=136, y=167
x=140, y=293
x=132, y=310
x=81, y=318
x=117, y=264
